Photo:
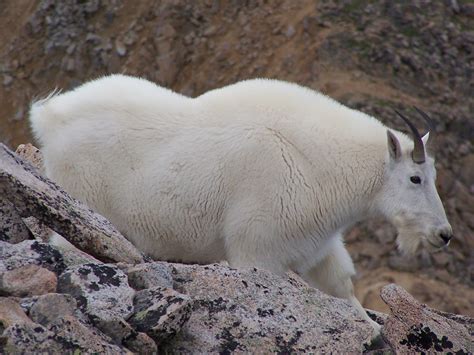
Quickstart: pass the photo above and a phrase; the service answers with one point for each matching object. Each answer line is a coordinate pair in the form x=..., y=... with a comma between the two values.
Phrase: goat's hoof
x=377, y=329
x=376, y=343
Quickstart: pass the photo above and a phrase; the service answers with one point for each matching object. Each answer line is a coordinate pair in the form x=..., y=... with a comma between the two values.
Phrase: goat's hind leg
x=333, y=276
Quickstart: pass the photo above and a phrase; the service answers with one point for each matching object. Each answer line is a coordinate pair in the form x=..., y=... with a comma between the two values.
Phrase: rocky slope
x=373, y=56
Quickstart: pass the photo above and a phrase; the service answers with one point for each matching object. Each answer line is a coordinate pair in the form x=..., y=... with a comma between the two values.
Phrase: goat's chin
x=433, y=247
x=408, y=243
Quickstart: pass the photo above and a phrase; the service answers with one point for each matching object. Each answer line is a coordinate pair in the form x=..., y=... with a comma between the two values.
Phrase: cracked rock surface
x=249, y=310
x=414, y=327
x=160, y=312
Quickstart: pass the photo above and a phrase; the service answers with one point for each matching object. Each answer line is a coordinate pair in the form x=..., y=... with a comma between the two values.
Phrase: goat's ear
x=394, y=148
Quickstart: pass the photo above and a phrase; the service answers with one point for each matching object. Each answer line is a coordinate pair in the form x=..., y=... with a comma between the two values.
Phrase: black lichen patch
x=180, y=280
x=331, y=331
x=93, y=286
x=81, y=302
x=265, y=288
x=148, y=313
x=213, y=306
x=230, y=342
x=265, y=312
x=287, y=346
x=145, y=299
x=68, y=344
x=132, y=336
x=149, y=319
x=84, y=271
x=374, y=317
x=173, y=299
x=3, y=234
x=107, y=275
x=50, y=257
x=422, y=338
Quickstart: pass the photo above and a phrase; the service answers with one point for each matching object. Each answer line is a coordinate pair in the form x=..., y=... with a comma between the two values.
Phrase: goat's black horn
x=418, y=154
x=429, y=121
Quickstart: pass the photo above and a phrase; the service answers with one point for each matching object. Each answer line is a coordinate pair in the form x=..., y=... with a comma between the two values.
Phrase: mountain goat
x=261, y=173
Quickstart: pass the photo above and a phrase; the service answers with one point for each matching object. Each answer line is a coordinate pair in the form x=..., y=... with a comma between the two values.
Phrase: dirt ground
x=372, y=56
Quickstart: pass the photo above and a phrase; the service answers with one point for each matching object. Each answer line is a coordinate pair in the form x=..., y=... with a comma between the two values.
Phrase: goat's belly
x=180, y=239
x=168, y=225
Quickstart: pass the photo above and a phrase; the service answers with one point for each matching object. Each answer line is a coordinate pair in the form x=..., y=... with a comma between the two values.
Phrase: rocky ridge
x=60, y=299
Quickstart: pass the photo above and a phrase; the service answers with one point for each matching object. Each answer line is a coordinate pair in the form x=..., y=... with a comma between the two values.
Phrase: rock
x=29, y=338
x=12, y=228
x=455, y=6
x=22, y=335
x=290, y=31
x=27, y=280
x=70, y=64
x=102, y=292
x=120, y=48
x=7, y=80
x=83, y=337
x=13, y=256
x=50, y=307
x=38, y=229
x=65, y=335
x=209, y=31
x=130, y=37
x=77, y=257
x=413, y=327
x=11, y=313
x=160, y=312
x=92, y=6
x=140, y=343
x=252, y=310
x=71, y=255
x=32, y=154
x=150, y=275
x=34, y=195
x=71, y=48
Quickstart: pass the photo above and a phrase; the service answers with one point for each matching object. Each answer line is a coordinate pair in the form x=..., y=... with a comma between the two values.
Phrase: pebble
x=120, y=48
x=7, y=80
x=290, y=31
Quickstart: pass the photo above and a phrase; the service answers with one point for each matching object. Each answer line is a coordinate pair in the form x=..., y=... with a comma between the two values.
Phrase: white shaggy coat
x=261, y=173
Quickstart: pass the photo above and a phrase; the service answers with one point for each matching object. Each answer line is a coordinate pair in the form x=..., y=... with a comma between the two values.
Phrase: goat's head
x=409, y=196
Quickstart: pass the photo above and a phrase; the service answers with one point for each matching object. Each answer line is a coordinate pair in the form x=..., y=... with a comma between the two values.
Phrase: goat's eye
x=415, y=179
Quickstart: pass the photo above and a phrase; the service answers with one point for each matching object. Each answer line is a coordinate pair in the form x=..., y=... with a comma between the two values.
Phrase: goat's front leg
x=333, y=276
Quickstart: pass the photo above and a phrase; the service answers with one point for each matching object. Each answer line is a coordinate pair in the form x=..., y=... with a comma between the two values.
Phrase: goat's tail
x=44, y=119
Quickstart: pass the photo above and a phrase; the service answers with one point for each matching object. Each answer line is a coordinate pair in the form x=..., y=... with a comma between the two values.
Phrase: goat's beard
x=408, y=242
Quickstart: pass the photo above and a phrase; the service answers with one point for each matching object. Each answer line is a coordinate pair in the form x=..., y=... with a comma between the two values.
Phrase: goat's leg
x=333, y=276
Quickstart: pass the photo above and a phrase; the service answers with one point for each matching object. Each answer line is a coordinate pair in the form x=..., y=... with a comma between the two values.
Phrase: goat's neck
x=348, y=191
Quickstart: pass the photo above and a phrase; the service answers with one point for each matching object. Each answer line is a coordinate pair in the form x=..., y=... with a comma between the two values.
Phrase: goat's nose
x=446, y=236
